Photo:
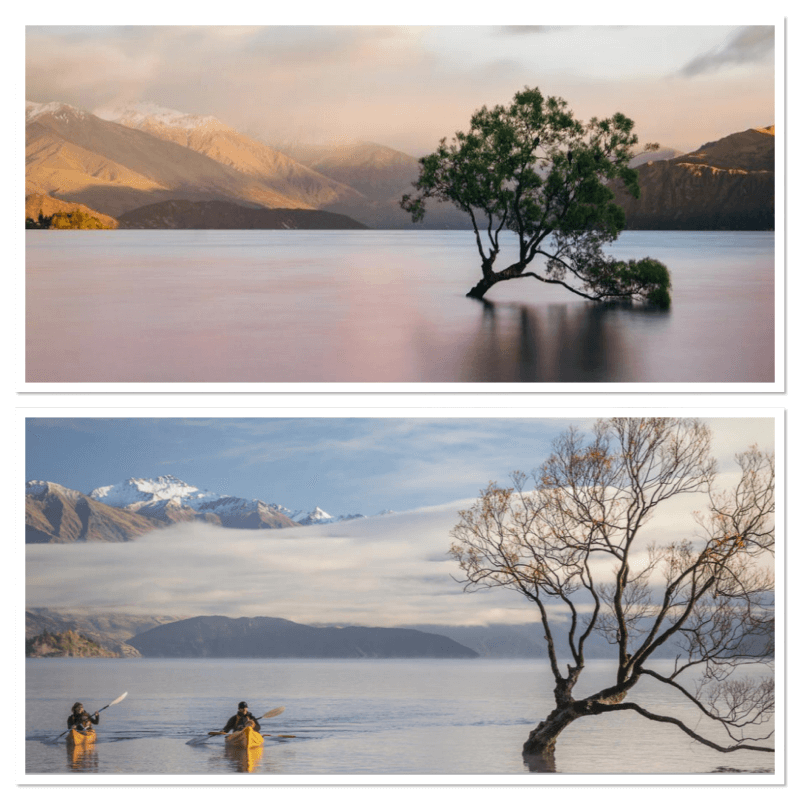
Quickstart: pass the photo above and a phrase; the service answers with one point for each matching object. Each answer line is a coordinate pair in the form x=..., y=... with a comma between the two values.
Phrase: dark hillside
x=272, y=637
x=219, y=215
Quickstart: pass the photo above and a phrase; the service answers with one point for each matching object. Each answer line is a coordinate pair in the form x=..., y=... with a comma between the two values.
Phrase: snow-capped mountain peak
x=146, y=495
x=60, y=111
x=38, y=488
x=315, y=517
x=140, y=115
x=145, y=490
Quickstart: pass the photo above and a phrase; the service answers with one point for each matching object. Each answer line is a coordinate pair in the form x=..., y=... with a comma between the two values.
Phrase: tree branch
x=628, y=706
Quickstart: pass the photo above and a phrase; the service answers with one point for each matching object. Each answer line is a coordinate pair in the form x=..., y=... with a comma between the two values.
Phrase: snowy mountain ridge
x=60, y=111
x=143, y=494
x=143, y=490
x=40, y=488
x=136, y=115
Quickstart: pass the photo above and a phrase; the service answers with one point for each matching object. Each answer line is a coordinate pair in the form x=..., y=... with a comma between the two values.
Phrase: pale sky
x=409, y=86
x=383, y=570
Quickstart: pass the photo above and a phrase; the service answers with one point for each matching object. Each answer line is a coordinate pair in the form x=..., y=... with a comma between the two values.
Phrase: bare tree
x=578, y=539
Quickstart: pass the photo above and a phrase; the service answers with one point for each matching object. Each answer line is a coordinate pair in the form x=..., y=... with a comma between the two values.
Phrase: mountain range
x=134, y=636
x=273, y=637
x=124, y=511
x=148, y=167
x=127, y=158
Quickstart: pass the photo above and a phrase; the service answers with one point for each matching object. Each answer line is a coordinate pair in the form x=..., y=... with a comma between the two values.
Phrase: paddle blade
x=112, y=703
x=118, y=700
x=273, y=713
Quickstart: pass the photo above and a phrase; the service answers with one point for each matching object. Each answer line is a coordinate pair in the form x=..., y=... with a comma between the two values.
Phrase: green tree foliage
x=76, y=219
x=66, y=221
x=533, y=169
x=41, y=222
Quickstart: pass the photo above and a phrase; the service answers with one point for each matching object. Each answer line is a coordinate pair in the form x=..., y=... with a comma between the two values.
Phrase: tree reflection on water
x=554, y=343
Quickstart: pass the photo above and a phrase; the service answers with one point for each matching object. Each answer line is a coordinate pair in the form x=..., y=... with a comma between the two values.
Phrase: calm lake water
x=380, y=306
x=377, y=717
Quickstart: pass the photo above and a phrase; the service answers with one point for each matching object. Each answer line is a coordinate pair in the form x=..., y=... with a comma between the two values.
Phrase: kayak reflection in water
x=241, y=719
x=81, y=720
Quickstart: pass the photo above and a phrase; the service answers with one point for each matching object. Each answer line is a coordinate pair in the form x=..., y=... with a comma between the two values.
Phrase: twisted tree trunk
x=539, y=751
x=490, y=277
x=480, y=288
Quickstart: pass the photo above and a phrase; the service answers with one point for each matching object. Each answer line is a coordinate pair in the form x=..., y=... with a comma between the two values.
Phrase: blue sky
x=406, y=86
x=342, y=465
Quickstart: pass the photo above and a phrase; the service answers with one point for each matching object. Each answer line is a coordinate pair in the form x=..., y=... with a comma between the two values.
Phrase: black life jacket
x=243, y=719
x=81, y=721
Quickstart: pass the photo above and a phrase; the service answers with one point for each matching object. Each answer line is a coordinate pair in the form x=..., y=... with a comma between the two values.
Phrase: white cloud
x=387, y=570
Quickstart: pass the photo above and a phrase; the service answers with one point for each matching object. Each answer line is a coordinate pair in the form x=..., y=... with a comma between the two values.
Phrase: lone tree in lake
x=579, y=540
x=533, y=169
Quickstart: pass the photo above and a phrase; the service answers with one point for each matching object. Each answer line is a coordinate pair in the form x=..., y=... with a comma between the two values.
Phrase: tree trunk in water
x=490, y=278
x=480, y=288
x=539, y=752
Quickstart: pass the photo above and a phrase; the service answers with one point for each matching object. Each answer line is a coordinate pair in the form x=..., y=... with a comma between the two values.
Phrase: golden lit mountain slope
x=378, y=172
x=82, y=158
x=271, y=168
x=752, y=151
x=56, y=166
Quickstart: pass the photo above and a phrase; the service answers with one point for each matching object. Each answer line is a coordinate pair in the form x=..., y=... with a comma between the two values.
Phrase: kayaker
x=81, y=720
x=242, y=719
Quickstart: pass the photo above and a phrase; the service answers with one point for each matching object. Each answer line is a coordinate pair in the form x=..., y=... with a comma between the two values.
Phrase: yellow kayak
x=246, y=737
x=75, y=738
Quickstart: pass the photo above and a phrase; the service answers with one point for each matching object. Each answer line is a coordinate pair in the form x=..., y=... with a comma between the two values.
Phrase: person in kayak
x=241, y=719
x=80, y=720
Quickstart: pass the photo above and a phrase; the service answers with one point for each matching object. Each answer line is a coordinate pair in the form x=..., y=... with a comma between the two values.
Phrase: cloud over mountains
x=749, y=45
x=407, y=85
x=384, y=570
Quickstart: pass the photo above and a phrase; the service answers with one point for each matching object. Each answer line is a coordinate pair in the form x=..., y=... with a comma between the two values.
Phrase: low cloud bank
x=390, y=570
x=386, y=570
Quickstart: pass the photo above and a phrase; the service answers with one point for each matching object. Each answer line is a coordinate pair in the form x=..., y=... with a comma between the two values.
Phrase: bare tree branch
x=711, y=593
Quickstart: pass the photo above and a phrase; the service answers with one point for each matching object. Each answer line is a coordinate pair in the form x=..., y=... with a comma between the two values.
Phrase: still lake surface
x=376, y=717
x=380, y=306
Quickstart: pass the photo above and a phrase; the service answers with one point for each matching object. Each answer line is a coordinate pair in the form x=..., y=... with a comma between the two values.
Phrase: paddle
x=201, y=739
x=112, y=703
